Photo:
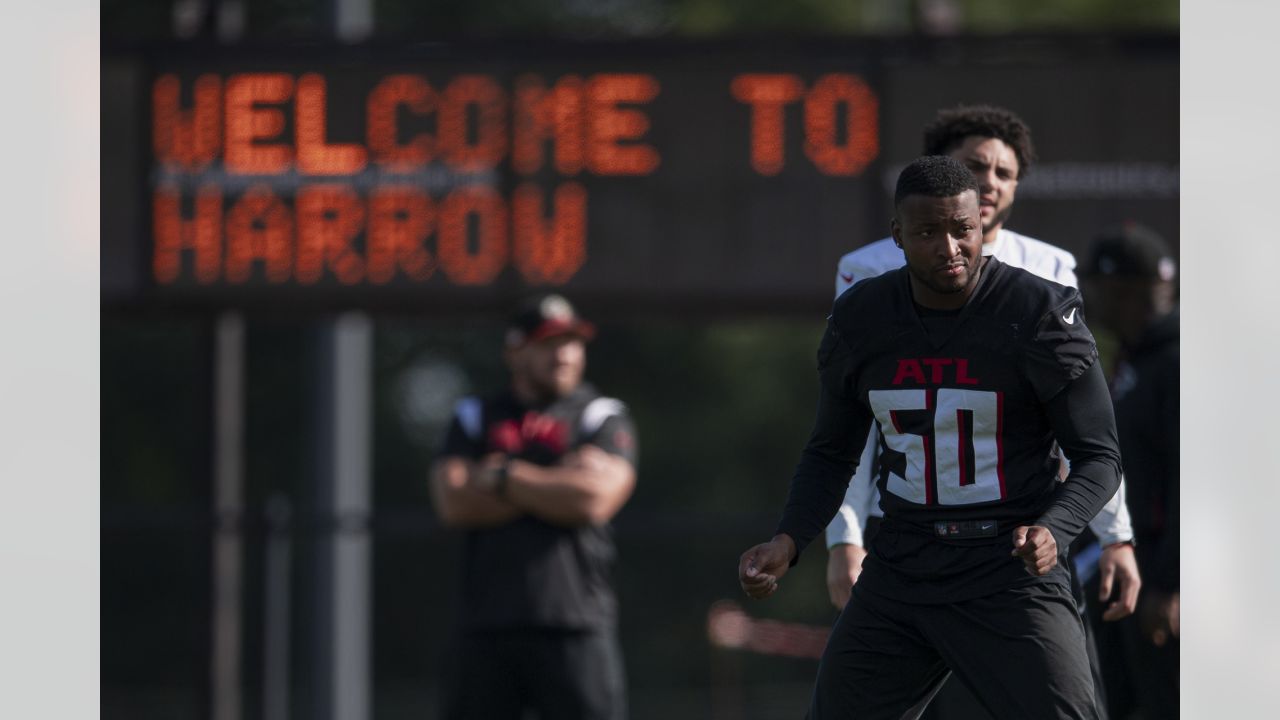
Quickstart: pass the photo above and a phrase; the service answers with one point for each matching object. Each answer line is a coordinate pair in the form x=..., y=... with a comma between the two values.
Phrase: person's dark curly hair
x=933, y=176
x=951, y=126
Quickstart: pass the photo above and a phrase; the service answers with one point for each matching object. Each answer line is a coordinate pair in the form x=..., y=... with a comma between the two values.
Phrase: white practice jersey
x=862, y=499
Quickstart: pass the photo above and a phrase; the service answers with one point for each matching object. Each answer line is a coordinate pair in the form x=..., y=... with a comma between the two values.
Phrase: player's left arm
x=840, y=431
x=1083, y=421
x=821, y=477
x=1061, y=365
x=1113, y=526
x=1084, y=424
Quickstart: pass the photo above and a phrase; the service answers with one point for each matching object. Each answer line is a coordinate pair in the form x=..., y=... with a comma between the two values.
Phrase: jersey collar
x=990, y=264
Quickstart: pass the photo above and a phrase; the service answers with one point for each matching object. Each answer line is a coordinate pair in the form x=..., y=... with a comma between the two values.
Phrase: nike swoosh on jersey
x=1070, y=318
x=846, y=278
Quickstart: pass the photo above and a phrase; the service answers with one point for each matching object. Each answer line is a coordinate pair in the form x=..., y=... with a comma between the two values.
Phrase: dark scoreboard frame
x=707, y=229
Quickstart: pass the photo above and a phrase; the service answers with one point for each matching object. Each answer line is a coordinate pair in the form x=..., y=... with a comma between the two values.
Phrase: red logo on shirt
x=914, y=370
x=534, y=429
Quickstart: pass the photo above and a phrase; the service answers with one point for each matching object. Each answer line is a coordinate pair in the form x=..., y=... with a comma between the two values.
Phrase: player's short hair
x=933, y=176
x=952, y=125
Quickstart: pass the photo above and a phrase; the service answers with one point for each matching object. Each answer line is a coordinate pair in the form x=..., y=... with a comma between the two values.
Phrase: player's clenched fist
x=760, y=568
x=1037, y=548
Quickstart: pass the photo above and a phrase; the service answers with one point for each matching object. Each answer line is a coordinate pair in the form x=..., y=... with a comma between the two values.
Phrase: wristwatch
x=500, y=477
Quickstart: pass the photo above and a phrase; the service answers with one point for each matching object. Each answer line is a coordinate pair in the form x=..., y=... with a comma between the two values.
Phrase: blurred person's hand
x=760, y=568
x=488, y=474
x=844, y=565
x=1118, y=567
x=1158, y=617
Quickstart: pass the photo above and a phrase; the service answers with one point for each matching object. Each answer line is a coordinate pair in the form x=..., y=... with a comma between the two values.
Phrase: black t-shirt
x=969, y=404
x=1146, y=392
x=531, y=573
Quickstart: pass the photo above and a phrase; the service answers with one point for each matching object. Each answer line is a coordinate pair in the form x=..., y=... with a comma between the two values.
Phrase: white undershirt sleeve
x=1112, y=524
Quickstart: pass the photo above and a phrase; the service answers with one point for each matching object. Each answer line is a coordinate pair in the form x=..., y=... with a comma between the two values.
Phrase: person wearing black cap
x=1130, y=281
x=533, y=475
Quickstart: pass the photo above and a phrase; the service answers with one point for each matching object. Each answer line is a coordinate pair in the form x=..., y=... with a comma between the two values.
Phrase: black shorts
x=562, y=674
x=1020, y=651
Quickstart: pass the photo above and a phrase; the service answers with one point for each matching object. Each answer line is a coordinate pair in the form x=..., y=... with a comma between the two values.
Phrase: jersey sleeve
x=1113, y=523
x=1061, y=347
x=836, y=362
x=831, y=455
x=607, y=424
x=1083, y=423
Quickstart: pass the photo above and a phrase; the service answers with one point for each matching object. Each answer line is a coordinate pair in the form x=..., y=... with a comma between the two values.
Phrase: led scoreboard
x=661, y=174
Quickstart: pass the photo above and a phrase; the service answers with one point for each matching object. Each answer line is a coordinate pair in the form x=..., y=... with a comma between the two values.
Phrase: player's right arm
x=822, y=475
x=845, y=546
x=816, y=492
x=827, y=462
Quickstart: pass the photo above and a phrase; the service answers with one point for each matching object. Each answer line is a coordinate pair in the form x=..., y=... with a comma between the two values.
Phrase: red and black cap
x=1130, y=250
x=545, y=316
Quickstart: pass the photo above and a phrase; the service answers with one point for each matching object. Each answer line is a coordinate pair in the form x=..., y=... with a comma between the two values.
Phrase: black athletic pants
x=955, y=702
x=560, y=674
x=1020, y=651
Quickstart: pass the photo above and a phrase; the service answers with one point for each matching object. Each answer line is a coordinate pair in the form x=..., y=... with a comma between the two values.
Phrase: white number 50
x=961, y=461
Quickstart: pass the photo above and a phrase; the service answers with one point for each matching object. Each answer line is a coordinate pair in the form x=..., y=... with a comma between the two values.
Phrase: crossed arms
x=587, y=487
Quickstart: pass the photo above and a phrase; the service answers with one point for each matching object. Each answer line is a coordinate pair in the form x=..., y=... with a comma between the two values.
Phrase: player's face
x=941, y=239
x=551, y=367
x=995, y=165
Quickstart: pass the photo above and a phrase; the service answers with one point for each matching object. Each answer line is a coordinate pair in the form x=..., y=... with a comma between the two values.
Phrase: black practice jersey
x=528, y=572
x=970, y=404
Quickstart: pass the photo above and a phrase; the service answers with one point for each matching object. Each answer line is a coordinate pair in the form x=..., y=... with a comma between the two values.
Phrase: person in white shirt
x=995, y=144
